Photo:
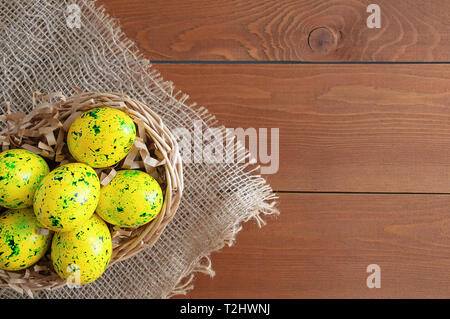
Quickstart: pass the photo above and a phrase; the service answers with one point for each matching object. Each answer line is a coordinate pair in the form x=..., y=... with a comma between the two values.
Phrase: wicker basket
x=43, y=131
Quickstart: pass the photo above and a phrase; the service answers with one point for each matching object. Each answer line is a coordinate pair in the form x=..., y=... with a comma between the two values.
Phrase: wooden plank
x=322, y=30
x=347, y=128
x=321, y=244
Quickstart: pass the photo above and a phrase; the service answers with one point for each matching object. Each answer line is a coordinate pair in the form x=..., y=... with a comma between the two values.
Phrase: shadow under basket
x=155, y=151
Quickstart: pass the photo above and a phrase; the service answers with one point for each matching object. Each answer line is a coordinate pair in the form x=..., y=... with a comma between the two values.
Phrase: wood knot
x=322, y=40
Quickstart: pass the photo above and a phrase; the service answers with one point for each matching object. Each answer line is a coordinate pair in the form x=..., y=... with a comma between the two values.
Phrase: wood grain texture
x=347, y=128
x=321, y=244
x=411, y=30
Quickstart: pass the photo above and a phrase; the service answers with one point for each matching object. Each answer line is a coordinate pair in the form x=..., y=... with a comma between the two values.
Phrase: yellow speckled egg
x=83, y=253
x=101, y=137
x=67, y=197
x=132, y=198
x=20, y=173
x=20, y=244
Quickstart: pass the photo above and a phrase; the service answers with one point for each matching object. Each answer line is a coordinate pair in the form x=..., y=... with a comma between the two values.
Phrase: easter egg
x=101, y=137
x=21, y=245
x=83, y=253
x=132, y=198
x=20, y=173
x=67, y=197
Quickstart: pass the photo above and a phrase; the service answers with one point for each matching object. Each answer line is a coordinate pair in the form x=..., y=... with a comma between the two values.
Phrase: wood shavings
x=32, y=148
x=69, y=120
x=48, y=133
x=45, y=147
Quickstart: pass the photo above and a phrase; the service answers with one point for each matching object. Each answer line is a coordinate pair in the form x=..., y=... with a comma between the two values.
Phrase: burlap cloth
x=41, y=53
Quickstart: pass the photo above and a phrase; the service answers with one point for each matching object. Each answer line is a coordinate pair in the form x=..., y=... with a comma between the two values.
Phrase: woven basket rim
x=63, y=110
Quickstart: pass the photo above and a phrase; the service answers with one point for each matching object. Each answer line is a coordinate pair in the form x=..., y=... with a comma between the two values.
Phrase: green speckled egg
x=87, y=250
x=132, y=198
x=20, y=173
x=67, y=197
x=101, y=137
x=20, y=245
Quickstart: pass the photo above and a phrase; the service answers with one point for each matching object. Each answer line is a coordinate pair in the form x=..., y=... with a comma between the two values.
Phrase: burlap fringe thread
x=155, y=151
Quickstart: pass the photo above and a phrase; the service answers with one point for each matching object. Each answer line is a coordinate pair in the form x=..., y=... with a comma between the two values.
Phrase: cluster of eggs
x=67, y=208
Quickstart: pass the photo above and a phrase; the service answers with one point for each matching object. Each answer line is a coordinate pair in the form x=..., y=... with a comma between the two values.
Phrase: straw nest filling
x=155, y=151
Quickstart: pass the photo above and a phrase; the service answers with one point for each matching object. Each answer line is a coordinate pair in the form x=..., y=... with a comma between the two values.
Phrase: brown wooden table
x=364, y=147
